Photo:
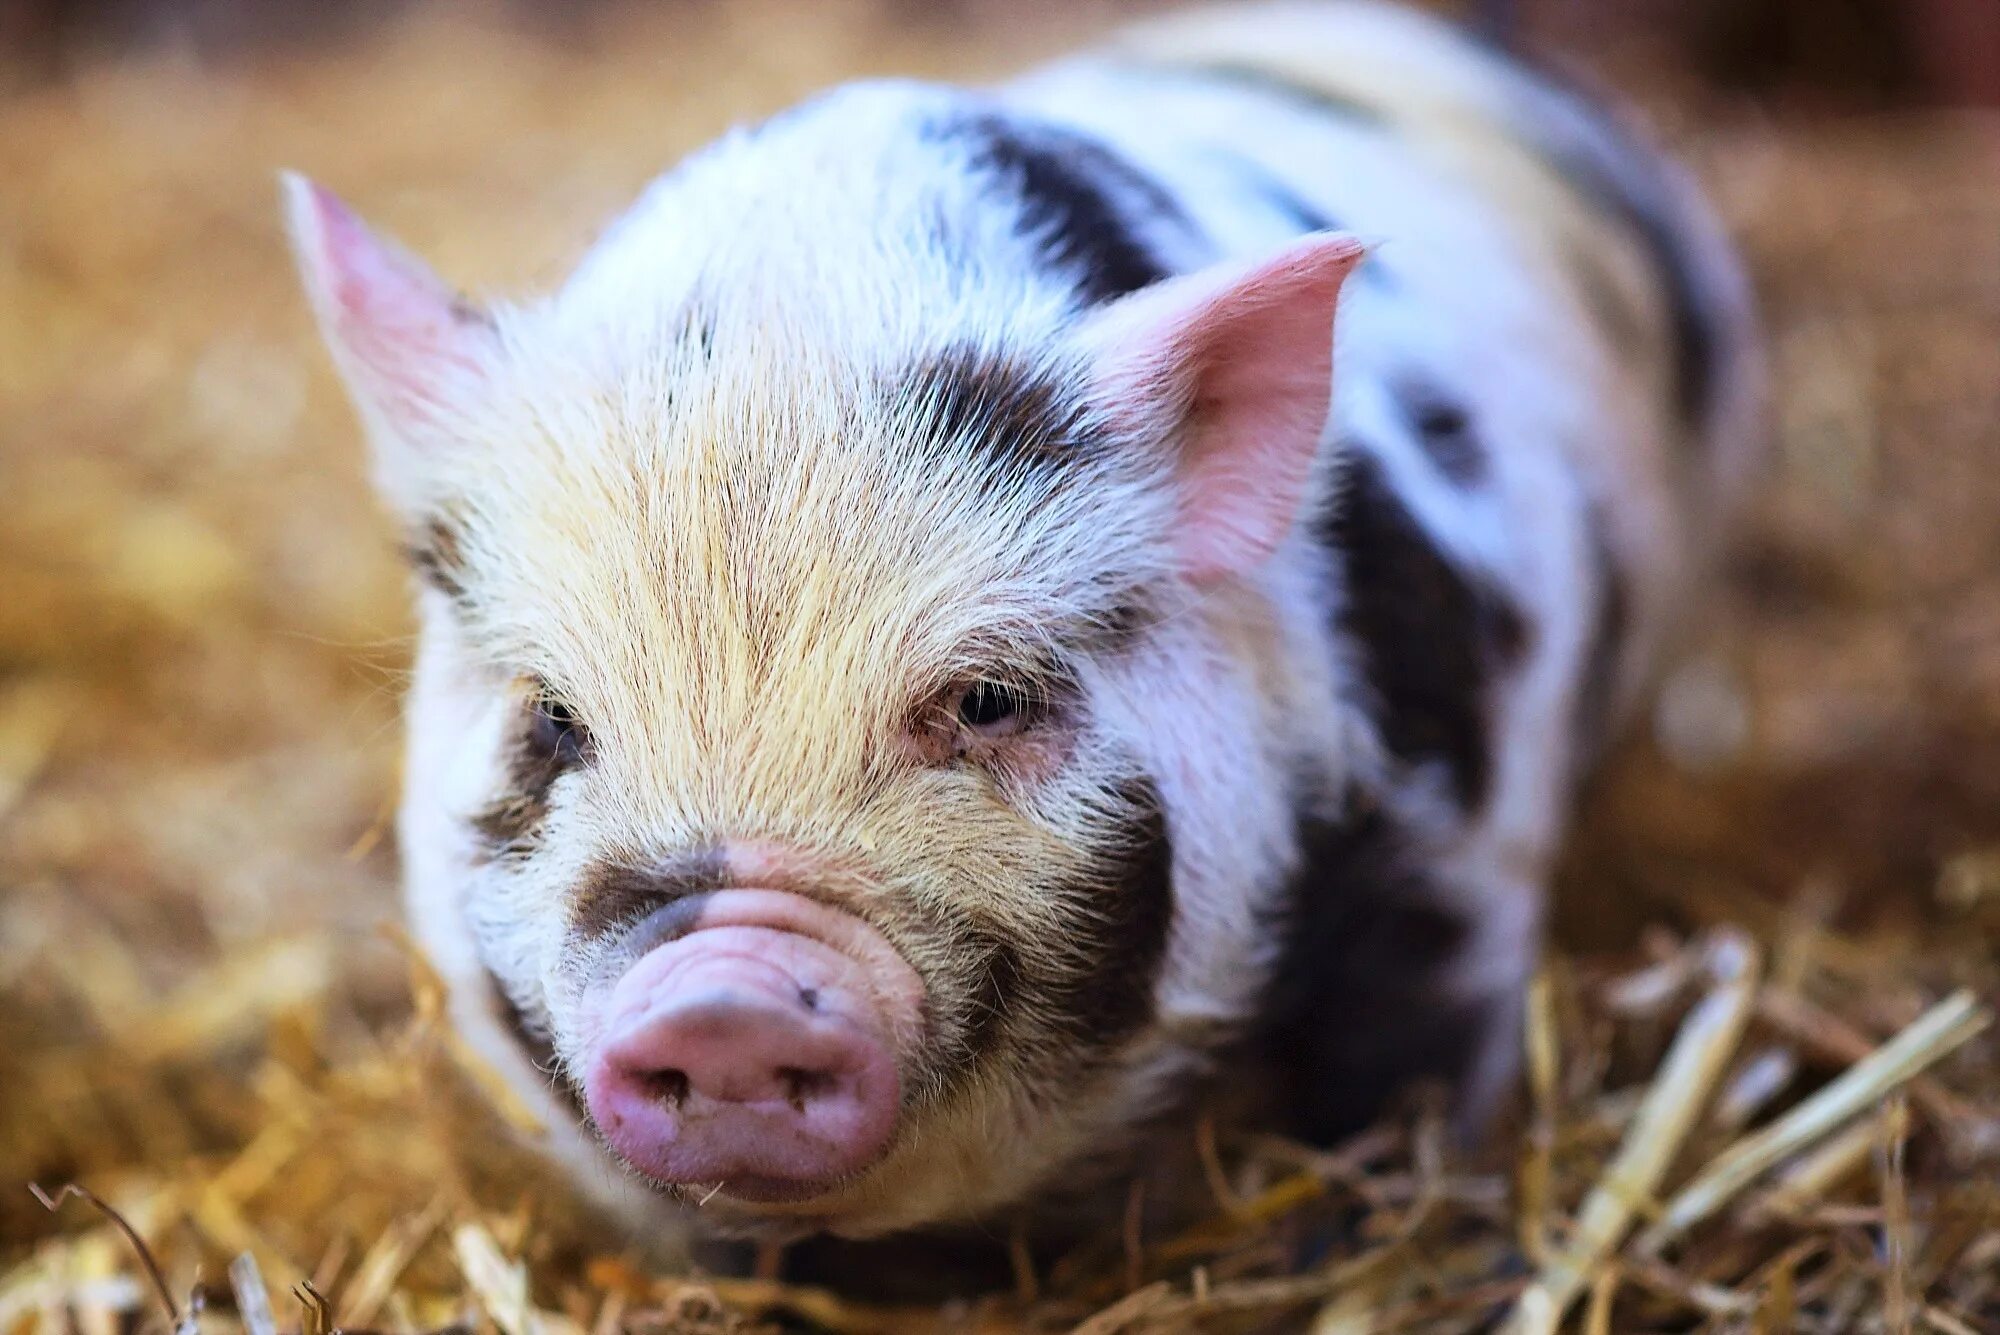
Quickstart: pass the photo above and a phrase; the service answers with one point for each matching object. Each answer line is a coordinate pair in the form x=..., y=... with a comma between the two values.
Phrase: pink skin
x=758, y=1051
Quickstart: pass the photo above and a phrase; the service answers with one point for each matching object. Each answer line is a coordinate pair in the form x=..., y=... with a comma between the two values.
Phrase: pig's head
x=851, y=720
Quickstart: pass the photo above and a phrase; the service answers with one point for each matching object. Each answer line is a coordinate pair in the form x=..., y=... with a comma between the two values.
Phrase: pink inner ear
x=396, y=328
x=1245, y=355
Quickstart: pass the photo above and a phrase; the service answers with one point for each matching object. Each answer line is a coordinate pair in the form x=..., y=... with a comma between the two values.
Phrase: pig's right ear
x=1233, y=366
x=406, y=344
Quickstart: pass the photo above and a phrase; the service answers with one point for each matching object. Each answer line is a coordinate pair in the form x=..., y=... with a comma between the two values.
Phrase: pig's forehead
x=759, y=497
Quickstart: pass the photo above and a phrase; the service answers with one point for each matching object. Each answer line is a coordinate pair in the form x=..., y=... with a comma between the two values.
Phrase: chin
x=833, y=1212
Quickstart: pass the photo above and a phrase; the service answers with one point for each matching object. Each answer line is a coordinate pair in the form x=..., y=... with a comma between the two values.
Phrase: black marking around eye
x=1086, y=205
x=555, y=729
x=1431, y=638
x=1357, y=1008
x=510, y=824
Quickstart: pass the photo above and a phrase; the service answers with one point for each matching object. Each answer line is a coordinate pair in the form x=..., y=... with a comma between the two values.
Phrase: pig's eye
x=994, y=722
x=991, y=710
x=557, y=732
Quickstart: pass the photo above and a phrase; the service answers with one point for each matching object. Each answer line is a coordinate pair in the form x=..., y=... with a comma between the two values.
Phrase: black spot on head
x=613, y=897
x=1430, y=638
x=1443, y=428
x=1082, y=202
x=1356, y=1009
x=1020, y=417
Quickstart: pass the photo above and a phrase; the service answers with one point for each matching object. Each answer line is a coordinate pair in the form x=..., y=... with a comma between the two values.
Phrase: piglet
x=972, y=612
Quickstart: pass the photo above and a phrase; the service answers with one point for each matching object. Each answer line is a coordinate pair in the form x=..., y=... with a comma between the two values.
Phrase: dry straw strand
x=1707, y=1040
x=1947, y=1026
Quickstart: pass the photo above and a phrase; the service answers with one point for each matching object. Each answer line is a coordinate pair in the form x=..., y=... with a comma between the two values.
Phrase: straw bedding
x=1762, y=1094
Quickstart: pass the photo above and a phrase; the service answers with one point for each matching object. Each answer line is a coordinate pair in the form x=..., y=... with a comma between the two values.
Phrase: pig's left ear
x=1234, y=366
x=404, y=341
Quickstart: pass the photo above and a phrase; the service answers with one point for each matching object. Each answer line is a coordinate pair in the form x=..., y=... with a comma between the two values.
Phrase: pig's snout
x=757, y=1052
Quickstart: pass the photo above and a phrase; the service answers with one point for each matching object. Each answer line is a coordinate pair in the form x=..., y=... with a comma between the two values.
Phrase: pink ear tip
x=317, y=211
x=1316, y=264
x=1341, y=250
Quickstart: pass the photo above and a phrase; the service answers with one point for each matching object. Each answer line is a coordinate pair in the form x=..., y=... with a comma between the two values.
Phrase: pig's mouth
x=756, y=1051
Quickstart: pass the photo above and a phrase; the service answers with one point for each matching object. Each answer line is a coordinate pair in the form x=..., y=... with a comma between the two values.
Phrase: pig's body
x=1543, y=408
x=912, y=392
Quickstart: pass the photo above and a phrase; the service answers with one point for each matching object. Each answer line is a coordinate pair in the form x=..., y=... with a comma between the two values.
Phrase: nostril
x=802, y=1086
x=669, y=1087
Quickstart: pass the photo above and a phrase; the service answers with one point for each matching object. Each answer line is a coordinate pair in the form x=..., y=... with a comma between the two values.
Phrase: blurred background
x=203, y=626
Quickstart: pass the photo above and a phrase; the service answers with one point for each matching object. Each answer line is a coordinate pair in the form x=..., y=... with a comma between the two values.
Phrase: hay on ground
x=1764, y=1094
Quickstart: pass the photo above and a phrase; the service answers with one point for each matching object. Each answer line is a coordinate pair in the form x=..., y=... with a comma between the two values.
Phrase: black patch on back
x=1431, y=638
x=1443, y=427
x=1018, y=416
x=1611, y=622
x=1619, y=174
x=1355, y=1010
x=613, y=897
x=1081, y=200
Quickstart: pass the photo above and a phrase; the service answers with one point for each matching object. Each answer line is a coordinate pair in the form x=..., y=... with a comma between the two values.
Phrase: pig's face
x=837, y=761
x=810, y=825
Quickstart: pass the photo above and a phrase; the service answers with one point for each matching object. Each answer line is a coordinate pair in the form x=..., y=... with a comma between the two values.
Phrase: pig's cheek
x=1033, y=758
